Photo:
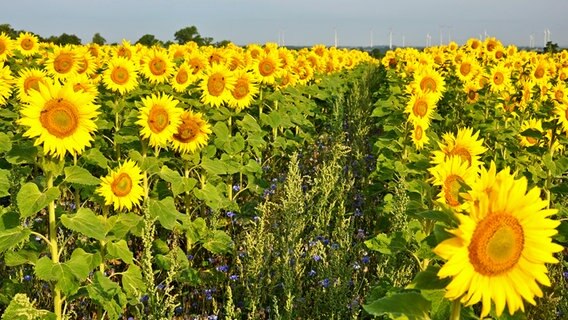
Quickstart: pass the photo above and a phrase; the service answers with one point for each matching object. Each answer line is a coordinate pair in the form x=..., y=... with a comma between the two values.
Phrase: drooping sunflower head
x=6, y=46
x=244, y=91
x=27, y=44
x=465, y=144
x=59, y=118
x=122, y=187
x=197, y=63
x=192, y=133
x=87, y=62
x=216, y=85
x=159, y=118
x=120, y=75
x=157, y=66
x=500, y=248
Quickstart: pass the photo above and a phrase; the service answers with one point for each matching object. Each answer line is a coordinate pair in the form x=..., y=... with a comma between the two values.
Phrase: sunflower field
x=262, y=182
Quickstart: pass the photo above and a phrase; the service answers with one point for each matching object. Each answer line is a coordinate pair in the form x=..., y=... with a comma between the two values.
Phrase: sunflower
x=82, y=82
x=182, y=78
x=125, y=50
x=267, y=67
x=421, y=107
x=59, y=118
x=120, y=75
x=157, y=66
x=429, y=81
x=197, y=63
x=27, y=44
x=29, y=79
x=499, y=250
x=62, y=63
x=471, y=89
x=450, y=175
x=122, y=187
x=467, y=68
x=499, y=78
x=6, y=82
x=87, y=62
x=192, y=133
x=6, y=46
x=246, y=87
x=216, y=85
x=559, y=92
x=419, y=137
x=159, y=118
x=286, y=78
x=465, y=144
x=539, y=72
x=561, y=112
x=534, y=124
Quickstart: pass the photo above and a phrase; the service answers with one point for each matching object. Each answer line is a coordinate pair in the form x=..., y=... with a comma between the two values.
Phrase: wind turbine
x=335, y=36
x=390, y=38
x=371, y=38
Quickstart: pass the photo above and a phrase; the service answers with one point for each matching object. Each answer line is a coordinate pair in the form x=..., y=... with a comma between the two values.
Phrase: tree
x=551, y=47
x=65, y=38
x=148, y=40
x=98, y=39
x=188, y=34
x=7, y=29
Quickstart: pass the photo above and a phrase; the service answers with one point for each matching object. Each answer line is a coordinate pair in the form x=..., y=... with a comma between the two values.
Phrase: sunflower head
x=216, y=85
x=122, y=187
x=120, y=75
x=159, y=118
x=6, y=46
x=192, y=133
x=27, y=44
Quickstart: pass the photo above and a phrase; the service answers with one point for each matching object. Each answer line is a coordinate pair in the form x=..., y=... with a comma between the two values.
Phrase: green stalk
x=456, y=310
x=57, y=301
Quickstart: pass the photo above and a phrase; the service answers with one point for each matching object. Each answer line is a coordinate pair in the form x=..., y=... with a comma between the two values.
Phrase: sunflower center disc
x=157, y=67
x=420, y=108
x=83, y=66
x=428, y=85
x=539, y=73
x=559, y=95
x=121, y=185
x=496, y=244
x=472, y=95
x=452, y=189
x=60, y=118
x=27, y=44
x=216, y=84
x=498, y=78
x=182, y=76
x=158, y=119
x=241, y=89
x=63, y=63
x=119, y=75
x=266, y=68
x=31, y=83
x=2, y=47
x=187, y=132
x=532, y=140
x=465, y=68
x=462, y=153
x=418, y=133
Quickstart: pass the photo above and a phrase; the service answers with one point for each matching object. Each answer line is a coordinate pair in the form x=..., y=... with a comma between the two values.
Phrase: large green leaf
x=86, y=222
x=31, y=200
x=4, y=182
x=218, y=242
x=80, y=175
x=213, y=166
x=5, y=142
x=405, y=305
x=108, y=295
x=166, y=213
x=178, y=183
x=119, y=249
x=132, y=281
x=20, y=308
x=12, y=237
x=387, y=244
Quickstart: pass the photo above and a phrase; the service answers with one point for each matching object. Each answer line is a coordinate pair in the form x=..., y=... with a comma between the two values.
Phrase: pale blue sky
x=301, y=22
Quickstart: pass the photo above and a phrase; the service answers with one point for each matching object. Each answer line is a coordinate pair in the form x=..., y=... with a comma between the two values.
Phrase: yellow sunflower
x=6, y=82
x=216, y=85
x=159, y=118
x=421, y=107
x=122, y=187
x=559, y=92
x=500, y=248
x=450, y=175
x=246, y=87
x=267, y=67
x=192, y=133
x=182, y=78
x=29, y=79
x=466, y=144
x=6, y=46
x=82, y=82
x=535, y=124
x=87, y=62
x=471, y=89
x=467, y=68
x=197, y=63
x=120, y=75
x=157, y=66
x=561, y=112
x=27, y=44
x=499, y=78
x=419, y=137
x=430, y=81
x=62, y=63
x=59, y=118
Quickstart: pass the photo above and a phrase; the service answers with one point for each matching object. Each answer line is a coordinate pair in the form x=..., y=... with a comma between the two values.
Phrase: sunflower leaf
x=4, y=182
x=12, y=237
x=411, y=305
x=86, y=222
x=30, y=200
x=78, y=175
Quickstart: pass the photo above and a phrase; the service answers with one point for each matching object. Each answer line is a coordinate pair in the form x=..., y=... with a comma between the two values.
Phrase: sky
x=297, y=22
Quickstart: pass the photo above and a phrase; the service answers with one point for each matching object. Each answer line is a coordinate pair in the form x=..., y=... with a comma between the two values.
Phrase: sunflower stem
x=456, y=310
x=57, y=302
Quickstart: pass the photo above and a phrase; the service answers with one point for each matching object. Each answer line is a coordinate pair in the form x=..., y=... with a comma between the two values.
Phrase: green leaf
x=212, y=196
x=80, y=175
x=235, y=144
x=132, y=281
x=5, y=142
x=405, y=305
x=429, y=280
x=218, y=242
x=86, y=222
x=12, y=237
x=562, y=235
x=16, y=258
x=118, y=226
x=4, y=182
x=213, y=166
x=178, y=183
x=165, y=211
x=22, y=153
x=119, y=249
x=249, y=123
x=20, y=308
x=196, y=230
x=385, y=244
x=31, y=200
x=108, y=295
x=43, y=269
x=170, y=175
x=81, y=263
x=96, y=157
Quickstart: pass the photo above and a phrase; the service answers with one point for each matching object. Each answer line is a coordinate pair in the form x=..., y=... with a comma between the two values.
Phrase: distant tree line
x=181, y=36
